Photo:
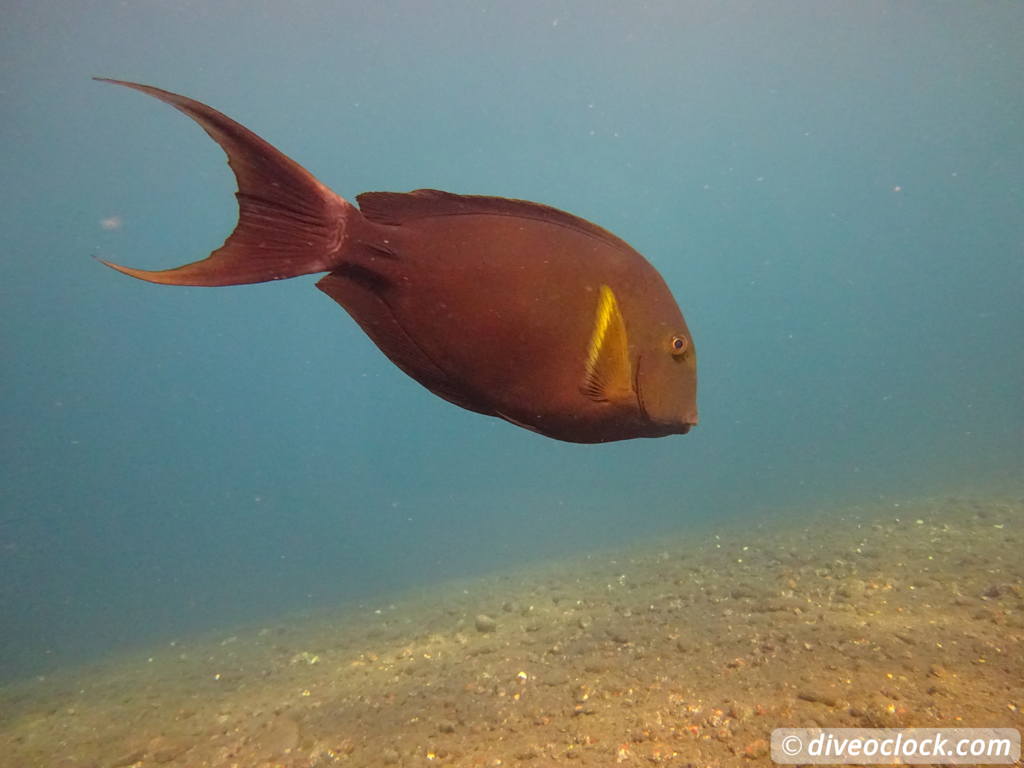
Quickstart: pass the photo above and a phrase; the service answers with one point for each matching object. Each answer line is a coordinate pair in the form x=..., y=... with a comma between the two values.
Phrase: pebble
x=485, y=623
x=618, y=634
x=745, y=591
x=818, y=696
x=128, y=758
x=777, y=605
x=740, y=712
x=985, y=614
x=280, y=738
x=162, y=750
x=852, y=589
x=581, y=693
x=756, y=749
x=554, y=677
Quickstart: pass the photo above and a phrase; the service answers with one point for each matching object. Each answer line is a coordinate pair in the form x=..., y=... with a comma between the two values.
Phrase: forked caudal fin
x=289, y=224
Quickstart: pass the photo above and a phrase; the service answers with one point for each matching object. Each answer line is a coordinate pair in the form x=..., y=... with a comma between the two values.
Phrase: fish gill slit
x=636, y=388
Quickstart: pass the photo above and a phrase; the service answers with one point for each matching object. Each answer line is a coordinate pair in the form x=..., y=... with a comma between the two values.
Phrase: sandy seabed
x=684, y=652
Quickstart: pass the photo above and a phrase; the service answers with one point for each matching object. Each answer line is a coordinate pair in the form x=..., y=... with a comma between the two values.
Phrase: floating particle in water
x=111, y=223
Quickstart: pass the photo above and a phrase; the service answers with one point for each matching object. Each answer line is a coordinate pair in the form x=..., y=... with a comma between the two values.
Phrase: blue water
x=833, y=190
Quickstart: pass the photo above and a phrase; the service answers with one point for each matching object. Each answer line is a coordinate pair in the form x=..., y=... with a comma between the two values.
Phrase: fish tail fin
x=289, y=224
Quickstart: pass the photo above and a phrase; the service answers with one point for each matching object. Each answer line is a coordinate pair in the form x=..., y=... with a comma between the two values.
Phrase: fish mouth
x=660, y=428
x=671, y=427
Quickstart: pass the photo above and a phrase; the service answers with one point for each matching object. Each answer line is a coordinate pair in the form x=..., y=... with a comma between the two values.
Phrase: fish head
x=642, y=360
x=665, y=385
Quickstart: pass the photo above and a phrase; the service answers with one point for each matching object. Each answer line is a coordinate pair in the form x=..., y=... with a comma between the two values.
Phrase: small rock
x=446, y=726
x=852, y=589
x=756, y=749
x=985, y=614
x=581, y=693
x=280, y=738
x=777, y=605
x=744, y=591
x=877, y=712
x=618, y=634
x=818, y=696
x=554, y=677
x=128, y=758
x=937, y=670
x=740, y=712
x=485, y=623
x=163, y=750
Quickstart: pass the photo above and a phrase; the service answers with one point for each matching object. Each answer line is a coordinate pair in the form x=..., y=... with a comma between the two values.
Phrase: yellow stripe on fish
x=609, y=375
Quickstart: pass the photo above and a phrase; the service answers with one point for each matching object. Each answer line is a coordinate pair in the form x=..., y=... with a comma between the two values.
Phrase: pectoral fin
x=608, y=373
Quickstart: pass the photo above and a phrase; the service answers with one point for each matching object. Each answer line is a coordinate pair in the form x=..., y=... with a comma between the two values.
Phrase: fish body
x=505, y=307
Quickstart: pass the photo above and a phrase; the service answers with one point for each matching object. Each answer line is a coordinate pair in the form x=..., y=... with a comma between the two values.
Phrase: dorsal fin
x=396, y=208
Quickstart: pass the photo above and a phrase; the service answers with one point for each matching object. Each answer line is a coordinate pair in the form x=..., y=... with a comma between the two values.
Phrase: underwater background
x=832, y=190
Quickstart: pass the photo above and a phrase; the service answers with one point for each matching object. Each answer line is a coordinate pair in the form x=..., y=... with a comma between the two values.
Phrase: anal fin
x=362, y=293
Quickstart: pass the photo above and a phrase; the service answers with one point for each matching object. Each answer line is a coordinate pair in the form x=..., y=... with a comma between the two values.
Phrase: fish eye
x=679, y=345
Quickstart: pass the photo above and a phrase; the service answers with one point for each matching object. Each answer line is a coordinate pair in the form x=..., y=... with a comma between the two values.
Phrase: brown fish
x=504, y=307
